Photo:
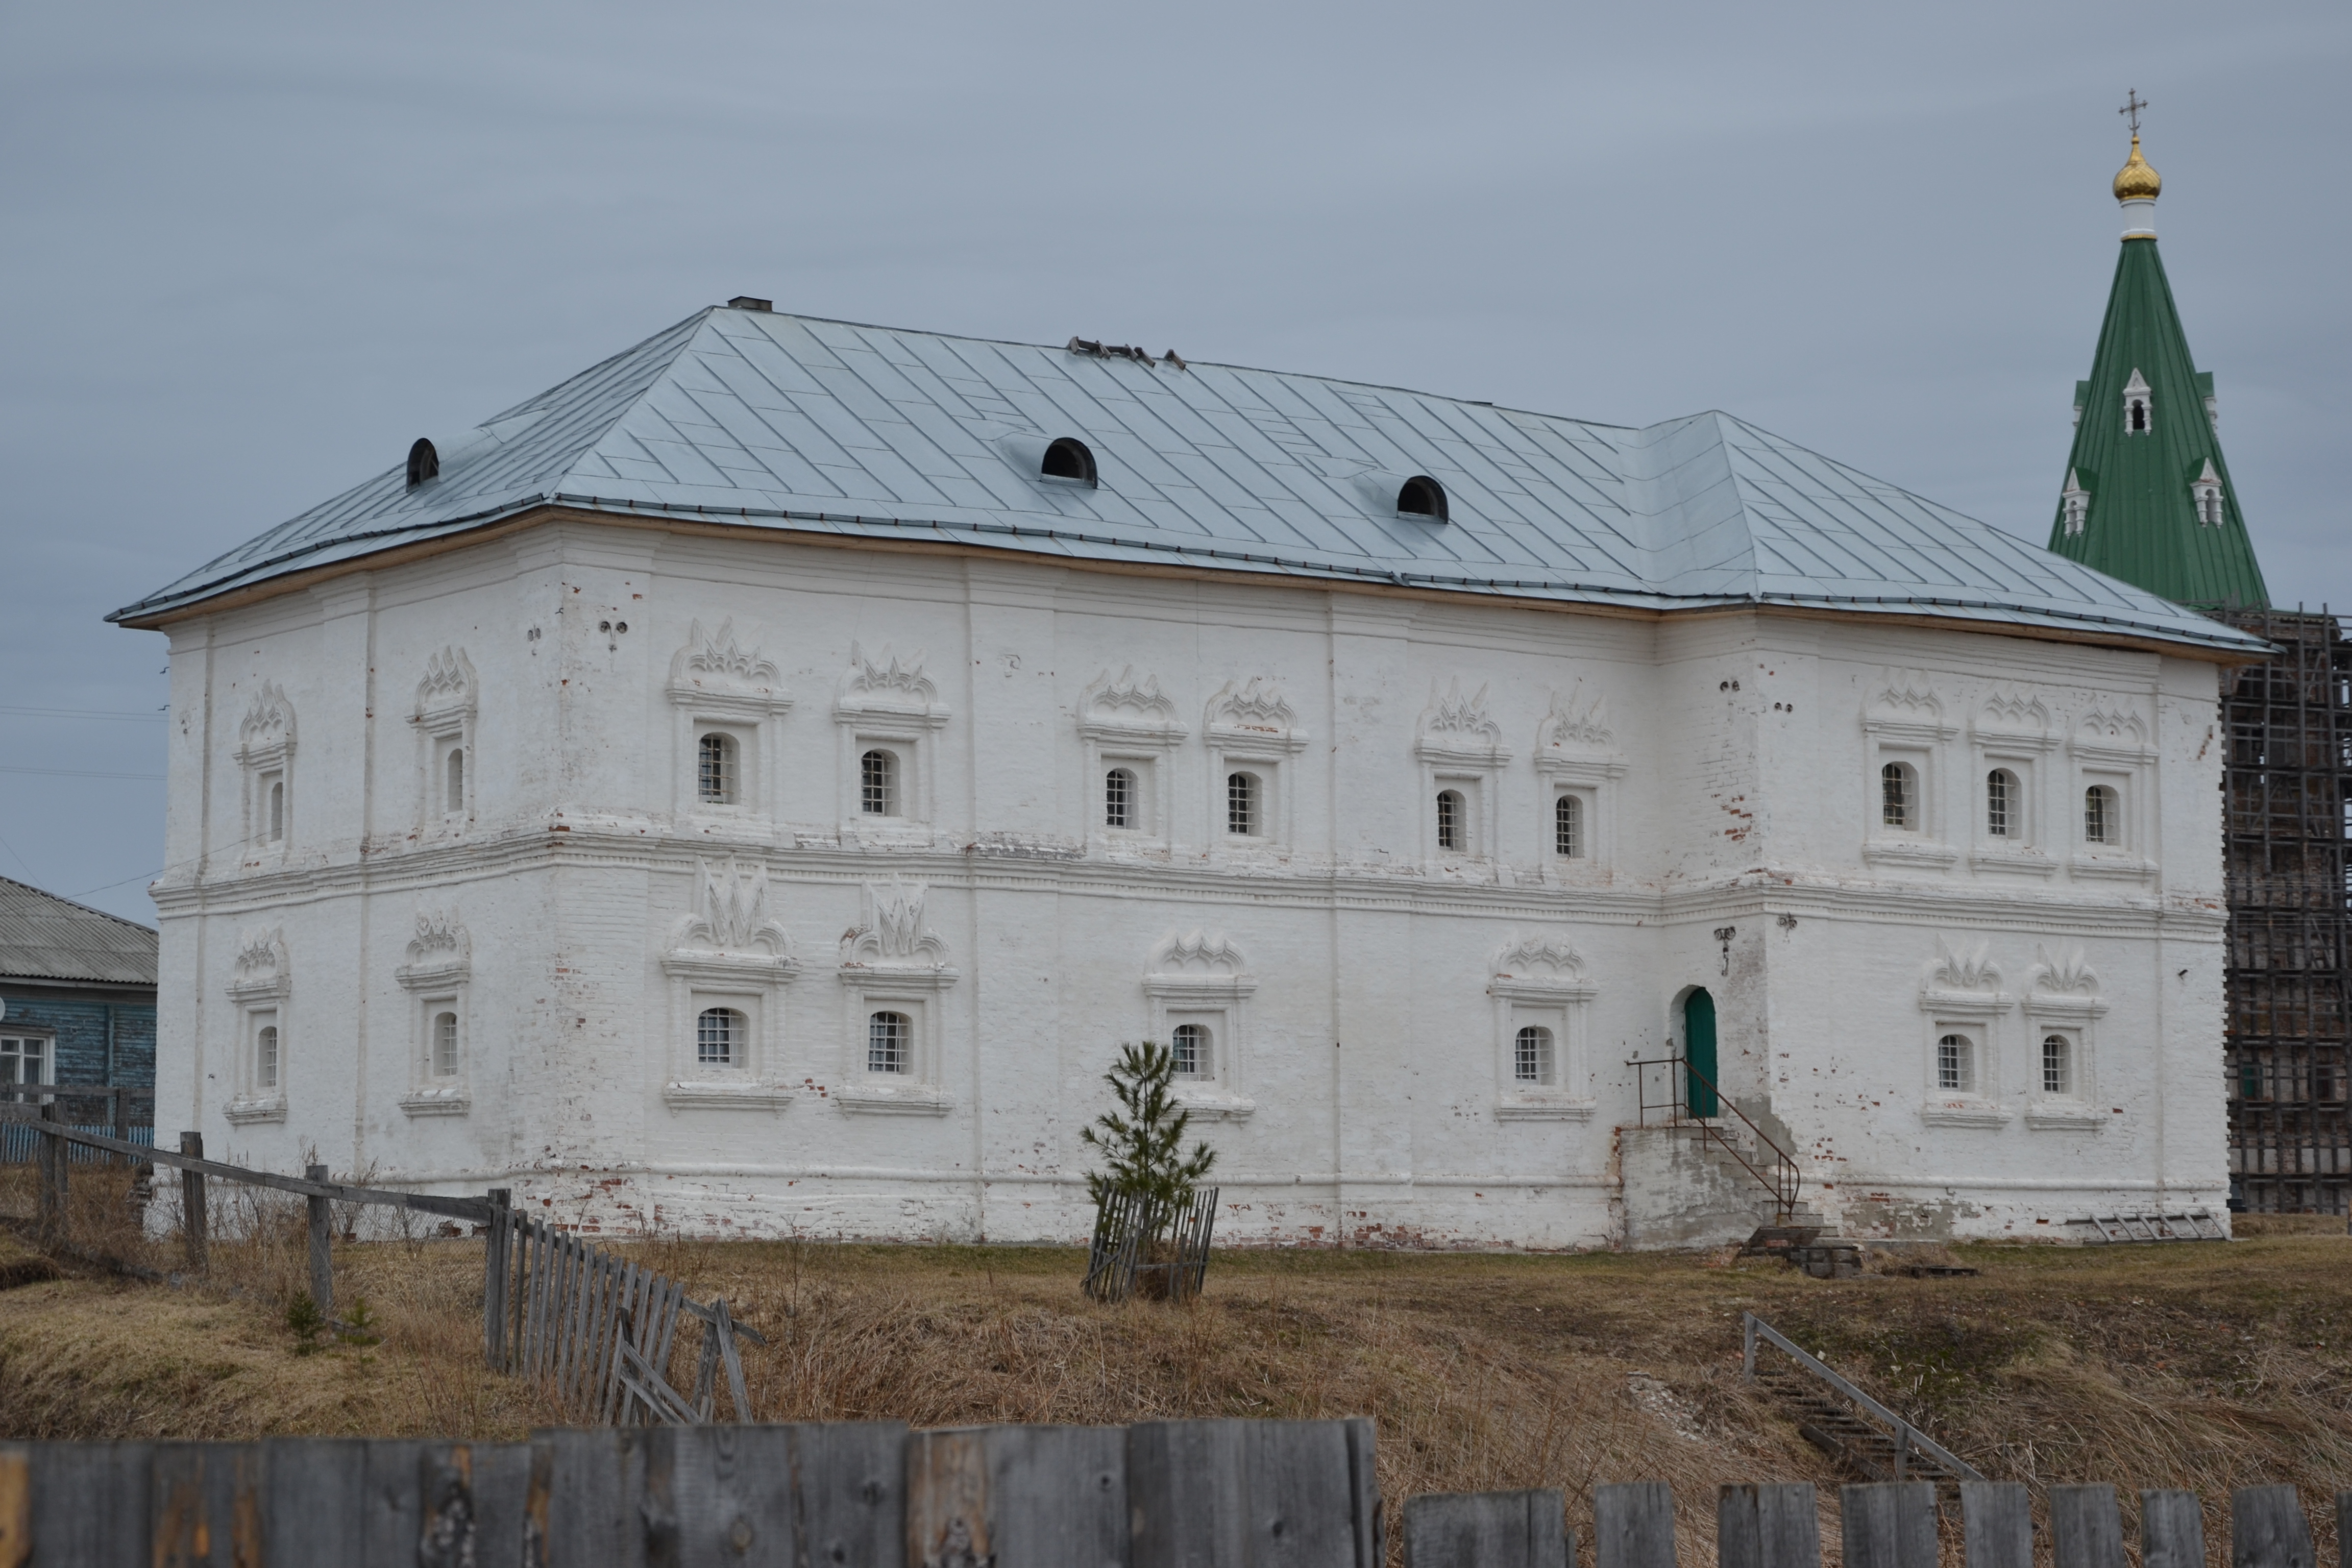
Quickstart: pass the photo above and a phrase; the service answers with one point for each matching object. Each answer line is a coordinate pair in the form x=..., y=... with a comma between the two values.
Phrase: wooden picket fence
x=1119, y=1261
x=597, y=1330
x=1170, y=1494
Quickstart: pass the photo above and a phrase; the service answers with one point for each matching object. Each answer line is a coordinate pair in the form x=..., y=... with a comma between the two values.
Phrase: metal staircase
x=1842, y=1421
x=1734, y=1144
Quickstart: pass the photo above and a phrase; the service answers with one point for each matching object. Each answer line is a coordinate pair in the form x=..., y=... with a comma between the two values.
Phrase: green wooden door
x=1698, y=1051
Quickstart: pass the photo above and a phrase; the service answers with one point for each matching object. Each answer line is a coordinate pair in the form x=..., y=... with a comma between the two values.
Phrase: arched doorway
x=1698, y=1052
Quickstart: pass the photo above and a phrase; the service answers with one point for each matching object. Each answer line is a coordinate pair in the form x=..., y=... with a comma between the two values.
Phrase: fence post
x=2086, y=1529
x=2171, y=1530
x=1633, y=1525
x=1997, y=1521
x=497, y=1275
x=195, y=1219
x=2267, y=1529
x=322, y=1265
x=52, y=1211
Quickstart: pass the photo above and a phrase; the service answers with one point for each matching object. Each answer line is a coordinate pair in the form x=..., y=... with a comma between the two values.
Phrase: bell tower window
x=2075, y=504
x=2139, y=408
x=2205, y=489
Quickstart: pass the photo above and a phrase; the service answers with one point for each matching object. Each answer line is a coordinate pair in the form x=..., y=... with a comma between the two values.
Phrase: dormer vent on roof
x=1407, y=495
x=424, y=462
x=1062, y=457
x=747, y=303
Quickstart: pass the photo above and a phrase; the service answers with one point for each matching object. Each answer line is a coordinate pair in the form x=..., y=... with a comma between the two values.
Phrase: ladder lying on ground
x=1845, y=1423
x=2196, y=1225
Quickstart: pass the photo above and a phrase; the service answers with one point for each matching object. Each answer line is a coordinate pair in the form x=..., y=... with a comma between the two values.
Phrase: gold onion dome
x=2135, y=181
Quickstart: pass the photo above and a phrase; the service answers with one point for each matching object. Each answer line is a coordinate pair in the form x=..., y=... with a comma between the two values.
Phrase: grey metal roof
x=791, y=422
x=44, y=937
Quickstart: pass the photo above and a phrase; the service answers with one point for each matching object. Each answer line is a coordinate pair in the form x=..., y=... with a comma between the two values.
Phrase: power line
x=156, y=718
x=80, y=773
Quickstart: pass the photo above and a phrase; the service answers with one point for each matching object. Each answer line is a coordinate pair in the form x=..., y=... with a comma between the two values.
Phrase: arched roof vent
x=424, y=462
x=1422, y=496
x=1067, y=460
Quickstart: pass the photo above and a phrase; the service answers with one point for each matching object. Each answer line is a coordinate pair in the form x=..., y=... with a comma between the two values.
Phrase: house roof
x=792, y=423
x=44, y=937
x=2141, y=524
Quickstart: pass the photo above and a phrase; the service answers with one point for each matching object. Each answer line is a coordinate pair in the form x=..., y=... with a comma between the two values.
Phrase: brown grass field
x=2201, y=1366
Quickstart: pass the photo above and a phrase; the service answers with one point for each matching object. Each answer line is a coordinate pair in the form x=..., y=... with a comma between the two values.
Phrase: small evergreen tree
x=1143, y=1139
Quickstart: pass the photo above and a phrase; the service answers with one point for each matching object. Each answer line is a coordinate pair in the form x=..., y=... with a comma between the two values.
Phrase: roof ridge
x=77, y=904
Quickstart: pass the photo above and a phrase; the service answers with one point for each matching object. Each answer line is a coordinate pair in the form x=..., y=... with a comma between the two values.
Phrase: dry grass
x=2209, y=1367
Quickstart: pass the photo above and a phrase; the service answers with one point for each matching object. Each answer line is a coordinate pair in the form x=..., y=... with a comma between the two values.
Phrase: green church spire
x=2147, y=496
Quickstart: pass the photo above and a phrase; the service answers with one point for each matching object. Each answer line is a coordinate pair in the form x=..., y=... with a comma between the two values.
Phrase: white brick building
x=758, y=783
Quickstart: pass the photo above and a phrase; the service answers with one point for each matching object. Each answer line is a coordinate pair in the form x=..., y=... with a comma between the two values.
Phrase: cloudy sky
x=252, y=251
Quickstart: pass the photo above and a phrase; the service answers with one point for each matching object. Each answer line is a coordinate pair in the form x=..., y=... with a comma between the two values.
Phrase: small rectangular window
x=1999, y=786
x=1189, y=1046
x=24, y=1059
x=1118, y=798
x=1897, y=792
x=267, y=1053
x=445, y=1042
x=718, y=770
x=2057, y=1064
x=1242, y=808
x=1531, y=1055
x=720, y=1035
x=890, y=1043
x=1955, y=1068
x=877, y=783
x=1567, y=828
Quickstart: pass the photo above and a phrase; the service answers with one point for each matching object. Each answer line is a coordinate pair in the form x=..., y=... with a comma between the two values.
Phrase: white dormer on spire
x=2075, y=502
x=2205, y=489
x=2139, y=406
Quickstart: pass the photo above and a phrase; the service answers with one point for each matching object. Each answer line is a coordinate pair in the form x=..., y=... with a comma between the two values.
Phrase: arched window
x=877, y=783
x=1567, y=828
x=1531, y=1055
x=1118, y=798
x=1955, y=1066
x=890, y=1043
x=1453, y=826
x=1898, y=795
x=2102, y=816
x=445, y=1045
x=454, y=781
x=2057, y=1064
x=1241, y=809
x=1422, y=496
x=720, y=1035
x=1189, y=1045
x=265, y=1057
x=2000, y=804
x=1068, y=459
x=717, y=773
x=276, y=830
x=2138, y=414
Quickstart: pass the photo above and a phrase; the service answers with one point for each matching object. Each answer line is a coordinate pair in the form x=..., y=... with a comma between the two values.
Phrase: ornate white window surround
x=438, y=977
x=1575, y=756
x=1201, y=977
x=894, y=963
x=1460, y=748
x=2075, y=502
x=1540, y=981
x=728, y=953
x=1961, y=995
x=2111, y=747
x=1250, y=727
x=2012, y=732
x=888, y=704
x=447, y=705
x=2139, y=406
x=264, y=756
x=718, y=686
x=1904, y=724
x=1123, y=723
x=2064, y=999
x=261, y=989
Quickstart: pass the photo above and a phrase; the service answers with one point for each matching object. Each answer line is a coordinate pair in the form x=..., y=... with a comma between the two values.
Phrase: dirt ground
x=2205, y=1366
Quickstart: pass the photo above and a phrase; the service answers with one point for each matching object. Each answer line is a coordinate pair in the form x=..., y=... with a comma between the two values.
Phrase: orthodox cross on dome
x=2133, y=104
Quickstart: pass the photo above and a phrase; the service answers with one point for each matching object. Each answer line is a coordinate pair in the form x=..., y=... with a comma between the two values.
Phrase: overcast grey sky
x=252, y=251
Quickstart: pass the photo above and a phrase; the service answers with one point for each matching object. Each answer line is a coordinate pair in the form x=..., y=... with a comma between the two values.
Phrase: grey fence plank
x=1226, y=1494
x=1888, y=1524
x=719, y=1495
x=509, y=1531
x=1488, y=1530
x=1363, y=1468
x=1997, y=1519
x=1633, y=1525
x=204, y=1505
x=496, y=1274
x=1057, y=1494
x=2343, y=1530
x=849, y=1480
x=195, y=1219
x=391, y=1508
x=2171, y=1530
x=1768, y=1525
x=322, y=1262
x=448, y=1522
x=597, y=1481
x=2086, y=1530
x=315, y=1488
x=90, y=1500
x=2267, y=1529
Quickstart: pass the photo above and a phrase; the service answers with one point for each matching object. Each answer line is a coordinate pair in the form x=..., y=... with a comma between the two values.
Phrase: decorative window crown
x=1124, y=708
x=268, y=727
x=889, y=685
x=448, y=686
x=893, y=936
x=1455, y=728
x=1254, y=713
x=715, y=668
x=440, y=953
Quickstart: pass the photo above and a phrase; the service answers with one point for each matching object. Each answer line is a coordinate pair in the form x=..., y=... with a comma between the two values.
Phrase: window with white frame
x=2003, y=801
x=1252, y=734
x=717, y=768
x=266, y=751
x=442, y=1036
x=722, y=1037
x=1955, y=1063
x=1245, y=805
x=260, y=989
x=24, y=1059
x=1531, y=1055
x=1196, y=988
x=1122, y=800
x=273, y=808
x=889, y=713
x=452, y=782
x=437, y=974
x=1454, y=821
x=2057, y=1064
x=889, y=1042
x=877, y=783
x=1898, y=796
x=444, y=720
x=1191, y=1048
x=266, y=1048
x=1127, y=728
x=1567, y=828
x=2103, y=816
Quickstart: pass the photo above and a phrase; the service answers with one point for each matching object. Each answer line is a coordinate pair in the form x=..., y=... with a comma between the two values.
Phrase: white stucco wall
x=1363, y=985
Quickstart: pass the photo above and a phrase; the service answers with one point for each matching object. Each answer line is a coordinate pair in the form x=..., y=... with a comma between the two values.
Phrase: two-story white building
x=755, y=786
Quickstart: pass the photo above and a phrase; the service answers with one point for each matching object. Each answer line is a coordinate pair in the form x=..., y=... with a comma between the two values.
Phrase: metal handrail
x=1787, y=1179
x=1906, y=1436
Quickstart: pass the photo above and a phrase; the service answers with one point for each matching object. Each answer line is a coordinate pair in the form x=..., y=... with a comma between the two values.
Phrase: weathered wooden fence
x=1120, y=1261
x=1173, y=1494
x=597, y=1330
x=125, y=1114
